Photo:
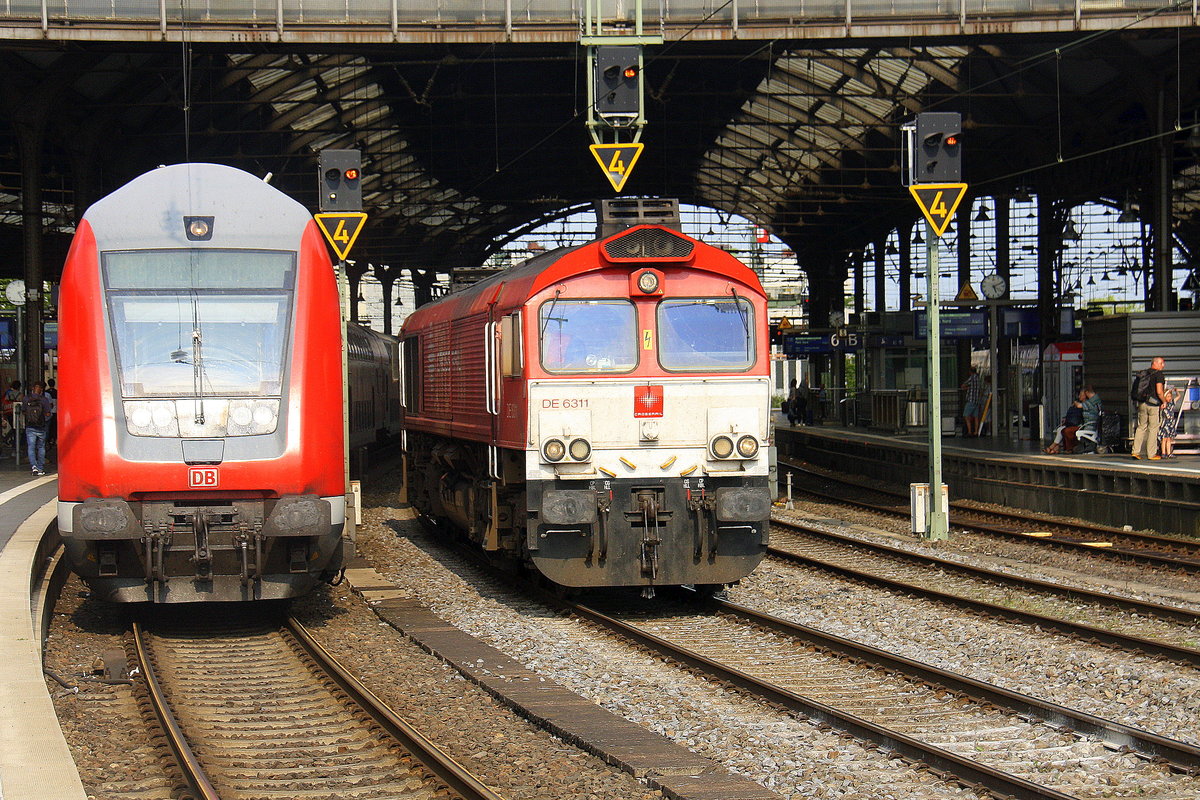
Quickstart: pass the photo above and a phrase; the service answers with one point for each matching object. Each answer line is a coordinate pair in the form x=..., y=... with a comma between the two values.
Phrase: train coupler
x=202, y=553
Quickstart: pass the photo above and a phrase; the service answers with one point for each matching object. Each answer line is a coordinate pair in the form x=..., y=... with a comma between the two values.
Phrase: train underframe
x=663, y=531
x=177, y=551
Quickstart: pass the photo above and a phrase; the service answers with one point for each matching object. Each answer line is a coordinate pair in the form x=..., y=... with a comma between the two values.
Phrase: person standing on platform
x=1148, y=392
x=37, y=415
x=972, y=403
x=52, y=425
x=1166, y=428
x=793, y=404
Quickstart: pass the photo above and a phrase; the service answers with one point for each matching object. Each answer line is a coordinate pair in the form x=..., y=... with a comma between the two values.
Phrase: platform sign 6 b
x=203, y=478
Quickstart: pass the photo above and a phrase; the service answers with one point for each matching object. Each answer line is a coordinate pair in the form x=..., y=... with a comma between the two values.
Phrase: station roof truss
x=463, y=144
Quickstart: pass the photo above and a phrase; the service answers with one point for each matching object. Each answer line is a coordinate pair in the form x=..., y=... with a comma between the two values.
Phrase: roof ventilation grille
x=619, y=213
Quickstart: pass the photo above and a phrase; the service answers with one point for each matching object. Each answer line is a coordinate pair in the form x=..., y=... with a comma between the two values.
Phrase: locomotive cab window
x=188, y=323
x=511, y=354
x=580, y=336
x=706, y=333
x=412, y=373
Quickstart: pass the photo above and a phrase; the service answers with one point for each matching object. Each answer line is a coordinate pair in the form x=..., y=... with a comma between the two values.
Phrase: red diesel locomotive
x=599, y=412
x=201, y=436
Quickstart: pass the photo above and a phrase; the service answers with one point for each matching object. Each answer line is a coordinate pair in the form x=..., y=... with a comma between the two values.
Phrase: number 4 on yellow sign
x=341, y=229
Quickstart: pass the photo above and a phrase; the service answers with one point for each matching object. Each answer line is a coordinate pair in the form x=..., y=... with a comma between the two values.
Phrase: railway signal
x=339, y=180
x=617, y=84
x=933, y=173
x=935, y=148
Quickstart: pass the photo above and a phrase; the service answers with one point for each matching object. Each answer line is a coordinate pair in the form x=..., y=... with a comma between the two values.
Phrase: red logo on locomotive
x=647, y=401
x=203, y=478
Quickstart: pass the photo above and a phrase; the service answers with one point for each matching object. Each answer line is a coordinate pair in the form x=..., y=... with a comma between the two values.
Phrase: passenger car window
x=706, y=333
x=588, y=335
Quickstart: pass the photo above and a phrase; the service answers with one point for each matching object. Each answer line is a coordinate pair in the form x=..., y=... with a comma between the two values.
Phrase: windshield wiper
x=197, y=360
x=741, y=312
x=549, y=313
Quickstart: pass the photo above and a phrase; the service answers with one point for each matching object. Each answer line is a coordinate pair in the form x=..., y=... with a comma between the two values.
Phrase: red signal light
x=351, y=174
x=951, y=140
x=630, y=72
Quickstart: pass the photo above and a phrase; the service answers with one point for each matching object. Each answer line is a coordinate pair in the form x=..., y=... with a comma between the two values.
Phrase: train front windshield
x=189, y=323
x=706, y=333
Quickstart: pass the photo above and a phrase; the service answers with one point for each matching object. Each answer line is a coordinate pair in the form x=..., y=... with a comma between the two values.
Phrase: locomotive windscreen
x=588, y=335
x=709, y=333
x=189, y=323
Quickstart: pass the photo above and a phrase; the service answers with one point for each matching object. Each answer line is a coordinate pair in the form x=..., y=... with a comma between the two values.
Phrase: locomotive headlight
x=747, y=447
x=554, y=450
x=140, y=416
x=163, y=416
x=580, y=449
x=241, y=416
x=648, y=282
x=722, y=446
x=264, y=416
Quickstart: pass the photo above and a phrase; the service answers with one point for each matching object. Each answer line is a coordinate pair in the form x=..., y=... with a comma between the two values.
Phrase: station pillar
x=423, y=281
x=387, y=283
x=904, y=243
x=30, y=133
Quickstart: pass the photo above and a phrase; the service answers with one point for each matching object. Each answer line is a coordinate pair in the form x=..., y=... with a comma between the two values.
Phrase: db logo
x=202, y=478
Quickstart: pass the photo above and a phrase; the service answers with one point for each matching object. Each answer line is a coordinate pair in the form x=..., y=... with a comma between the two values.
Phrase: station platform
x=35, y=761
x=1109, y=489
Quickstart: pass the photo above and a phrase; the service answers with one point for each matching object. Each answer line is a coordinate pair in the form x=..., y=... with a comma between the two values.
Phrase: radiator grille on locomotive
x=649, y=243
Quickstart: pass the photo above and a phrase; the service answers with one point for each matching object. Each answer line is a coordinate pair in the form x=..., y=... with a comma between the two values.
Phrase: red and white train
x=599, y=412
x=200, y=430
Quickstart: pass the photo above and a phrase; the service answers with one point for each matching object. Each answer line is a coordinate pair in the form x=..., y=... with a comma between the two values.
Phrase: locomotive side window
x=412, y=374
x=588, y=336
x=511, y=354
x=706, y=333
x=189, y=323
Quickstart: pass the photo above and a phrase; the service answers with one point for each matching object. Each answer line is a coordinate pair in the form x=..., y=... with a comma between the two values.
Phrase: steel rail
x=1185, y=655
x=429, y=754
x=1182, y=756
x=945, y=761
x=1071, y=592
x=1080, y=543
x=193, y=773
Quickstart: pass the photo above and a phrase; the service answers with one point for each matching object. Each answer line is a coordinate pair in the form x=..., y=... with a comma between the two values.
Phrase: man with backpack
x=1147, y=392
x=37, y=415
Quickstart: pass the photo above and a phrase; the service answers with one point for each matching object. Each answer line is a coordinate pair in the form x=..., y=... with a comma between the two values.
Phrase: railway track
x=1161, y=630
x=1011, y=744
x=261, y=711
x=1160, y=551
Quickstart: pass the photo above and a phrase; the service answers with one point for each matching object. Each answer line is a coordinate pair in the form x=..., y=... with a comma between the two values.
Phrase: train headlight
x=264, y=416
x=164, y=415
x=648, y=282
x=151, y=418
x=241, y=416
x=198, y=229
x=721, y=446
x=553, y=450
x=580, y=449
x=747, y=447
x=140, y=416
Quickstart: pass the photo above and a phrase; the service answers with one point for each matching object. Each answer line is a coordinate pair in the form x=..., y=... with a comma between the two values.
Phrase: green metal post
x=936, y=527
